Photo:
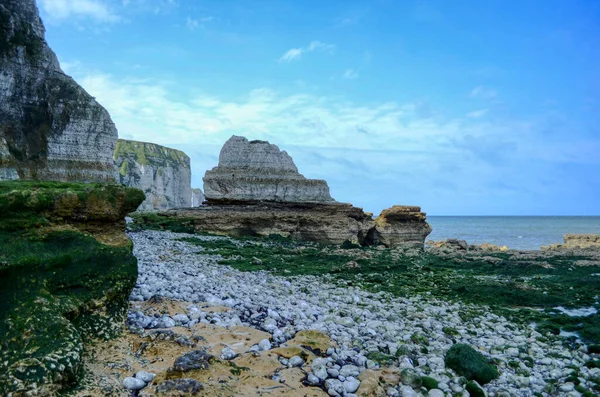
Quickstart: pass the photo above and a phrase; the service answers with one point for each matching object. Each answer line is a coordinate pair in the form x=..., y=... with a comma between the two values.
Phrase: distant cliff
x=162, y=173
x=197, y=197
x=50, y=127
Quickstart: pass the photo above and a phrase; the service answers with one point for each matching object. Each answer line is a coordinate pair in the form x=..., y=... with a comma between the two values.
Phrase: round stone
x=131, y=383
x=351, y=384
x=295, y=361
x=146, y=377
x=410, y=377
x=435, y=393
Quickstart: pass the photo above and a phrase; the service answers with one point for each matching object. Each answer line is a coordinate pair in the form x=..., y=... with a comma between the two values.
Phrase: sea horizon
x=526, y=232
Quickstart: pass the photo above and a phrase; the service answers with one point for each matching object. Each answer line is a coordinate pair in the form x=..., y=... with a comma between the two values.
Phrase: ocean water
x=516, y=232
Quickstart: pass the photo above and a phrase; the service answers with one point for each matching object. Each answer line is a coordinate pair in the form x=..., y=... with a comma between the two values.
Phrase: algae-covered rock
x=59, y=286
x=471, y=364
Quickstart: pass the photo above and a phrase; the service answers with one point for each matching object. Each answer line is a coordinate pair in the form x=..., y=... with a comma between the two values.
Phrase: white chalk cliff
x=163, y=174
x=50, y=127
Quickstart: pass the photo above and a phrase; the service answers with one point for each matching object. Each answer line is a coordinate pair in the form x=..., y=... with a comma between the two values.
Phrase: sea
x=516, y=232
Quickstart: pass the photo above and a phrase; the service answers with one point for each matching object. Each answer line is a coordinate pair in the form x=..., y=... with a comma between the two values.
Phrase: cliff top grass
x=146, y=153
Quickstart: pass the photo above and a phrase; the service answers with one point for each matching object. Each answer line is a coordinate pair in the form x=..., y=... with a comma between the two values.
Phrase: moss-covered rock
x=475, y=389
x=471, y=364
x=59, y=286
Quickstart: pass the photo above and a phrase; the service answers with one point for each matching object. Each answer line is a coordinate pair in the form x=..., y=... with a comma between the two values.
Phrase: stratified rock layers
x=324, y=223
x=402, y=226
x=50, y=127
x=162, y=173
x=259, y=171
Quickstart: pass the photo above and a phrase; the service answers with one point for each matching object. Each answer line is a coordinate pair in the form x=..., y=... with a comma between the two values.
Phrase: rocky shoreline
x=409, y=335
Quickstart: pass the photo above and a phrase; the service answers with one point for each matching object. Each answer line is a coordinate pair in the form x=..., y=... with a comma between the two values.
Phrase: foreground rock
x=163, y=174
x=402, y=226
x=50, y=127
x=259, y=171
x=576, y=242
x=66, y=271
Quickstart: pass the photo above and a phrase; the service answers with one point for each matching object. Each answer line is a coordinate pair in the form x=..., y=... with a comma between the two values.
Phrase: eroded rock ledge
x=66, y=272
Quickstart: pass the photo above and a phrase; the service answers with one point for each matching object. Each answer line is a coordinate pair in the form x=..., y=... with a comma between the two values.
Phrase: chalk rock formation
x=575, y=242
x=259, y=171
x=50, y=127
x=162, y=173
x=323, y=223
x=402, y=226
x=197, y=197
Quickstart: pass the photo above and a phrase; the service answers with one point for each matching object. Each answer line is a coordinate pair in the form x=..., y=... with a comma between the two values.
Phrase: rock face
x=50, y=127
x=324, y=223
x=162, y=173
x=577, y=241
x=259, y=171
x=66, y=272
x=402, y=226
x=197, y=197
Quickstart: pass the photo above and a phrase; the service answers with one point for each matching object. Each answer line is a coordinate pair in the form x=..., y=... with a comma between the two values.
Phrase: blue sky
x=463, y=107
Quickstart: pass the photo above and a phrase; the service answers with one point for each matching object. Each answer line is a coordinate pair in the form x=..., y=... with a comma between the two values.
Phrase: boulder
x=402, y=226
x=163, y=173
x=259, y=171
x=50, y=127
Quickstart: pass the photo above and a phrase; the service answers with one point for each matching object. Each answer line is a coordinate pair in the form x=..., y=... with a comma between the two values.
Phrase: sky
x=462, y=107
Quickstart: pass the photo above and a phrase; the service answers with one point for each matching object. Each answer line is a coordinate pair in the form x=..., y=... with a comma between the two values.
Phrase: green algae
x=59, y=288
x=471, y=364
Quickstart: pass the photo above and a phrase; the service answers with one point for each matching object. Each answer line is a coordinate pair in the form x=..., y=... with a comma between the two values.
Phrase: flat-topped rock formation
x=402, y=226
x=163, y=174
x=324, y=223
x=50, y=127
x=197, y=197
x=259, y=171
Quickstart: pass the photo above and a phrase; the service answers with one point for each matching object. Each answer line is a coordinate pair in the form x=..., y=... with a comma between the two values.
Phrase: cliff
x=66, y=272
x=50, y=127
x=259, y=171
x=163, y=174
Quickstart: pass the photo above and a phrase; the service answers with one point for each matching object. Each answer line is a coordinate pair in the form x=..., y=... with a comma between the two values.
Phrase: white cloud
x=67, y=9
x=291, y=54
x=483, y=92
x=477, y=113
x=296, y=53
x=350, y=74
x=192, y=24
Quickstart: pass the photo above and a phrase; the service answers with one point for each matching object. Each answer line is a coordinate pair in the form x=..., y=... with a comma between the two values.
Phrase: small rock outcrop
x=50, y=127
x=197, y=197
x=402, y=226
x=575, y=242
x=163, y=174
x=259, y=171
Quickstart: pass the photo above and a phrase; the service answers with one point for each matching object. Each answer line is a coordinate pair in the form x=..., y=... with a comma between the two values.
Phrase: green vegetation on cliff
x=146, y=153
x=59, y=286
